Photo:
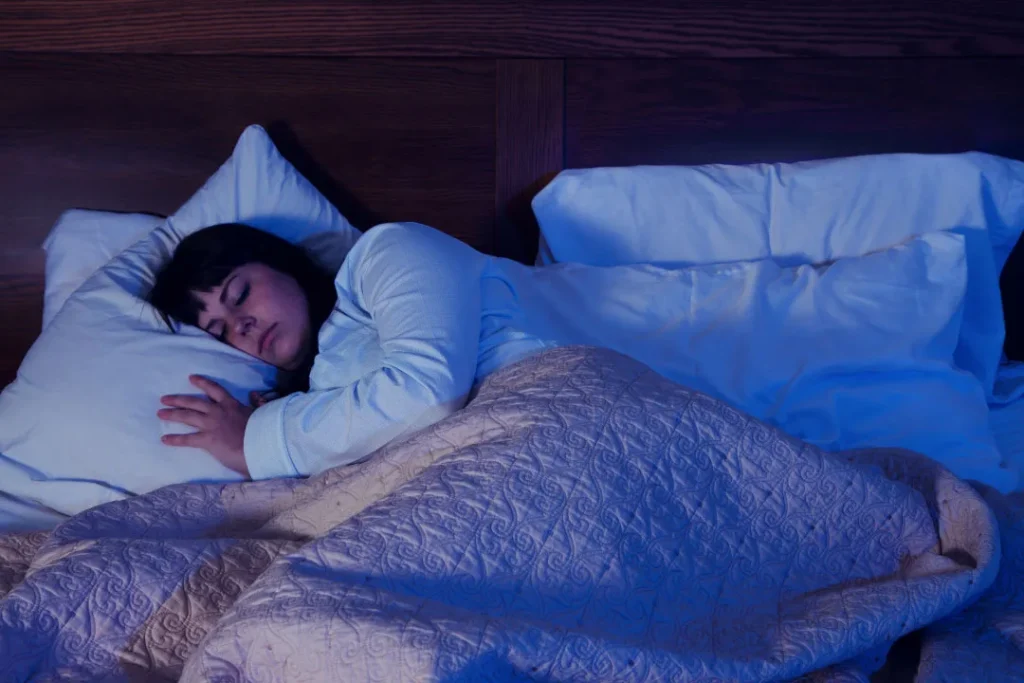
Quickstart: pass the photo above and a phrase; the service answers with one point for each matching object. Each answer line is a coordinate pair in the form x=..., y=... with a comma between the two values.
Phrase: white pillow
x=80, y=243
x=851, y=354
x=78, y=427
x=807, y=212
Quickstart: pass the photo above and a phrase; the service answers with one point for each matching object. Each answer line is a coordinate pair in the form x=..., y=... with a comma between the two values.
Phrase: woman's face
x=260, y=311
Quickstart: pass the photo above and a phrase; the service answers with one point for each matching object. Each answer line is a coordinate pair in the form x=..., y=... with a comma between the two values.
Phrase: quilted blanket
x=582, y=519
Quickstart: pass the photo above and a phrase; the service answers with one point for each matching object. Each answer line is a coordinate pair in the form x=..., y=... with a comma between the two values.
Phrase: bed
x=456, y=115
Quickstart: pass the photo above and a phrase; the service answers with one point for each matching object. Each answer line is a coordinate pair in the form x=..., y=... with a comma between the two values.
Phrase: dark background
x=455, y=113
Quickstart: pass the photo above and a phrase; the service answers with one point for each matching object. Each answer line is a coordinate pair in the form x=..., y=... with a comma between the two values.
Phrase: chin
x=288, y=360
x=299, y=353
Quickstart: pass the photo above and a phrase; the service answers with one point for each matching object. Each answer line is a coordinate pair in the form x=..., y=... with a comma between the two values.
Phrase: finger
x=212, y=389
x=185, y=417
x=195, y=440
x=200, y=404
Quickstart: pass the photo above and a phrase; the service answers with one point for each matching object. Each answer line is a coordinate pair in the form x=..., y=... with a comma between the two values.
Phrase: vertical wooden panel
x=683, y=111
x=530, y=151
x=382, y=139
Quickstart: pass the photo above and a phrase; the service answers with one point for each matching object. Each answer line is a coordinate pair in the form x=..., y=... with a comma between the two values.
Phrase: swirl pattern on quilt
x=582, y=519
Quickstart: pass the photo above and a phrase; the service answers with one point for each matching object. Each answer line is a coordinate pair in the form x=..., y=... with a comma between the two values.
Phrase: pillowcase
x=799, y=213
x=80, y=243
x=78, y=427
x=850, y=354
x=805, y=212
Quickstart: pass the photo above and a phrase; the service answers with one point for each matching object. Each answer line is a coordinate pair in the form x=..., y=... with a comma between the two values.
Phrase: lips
x=264, y=337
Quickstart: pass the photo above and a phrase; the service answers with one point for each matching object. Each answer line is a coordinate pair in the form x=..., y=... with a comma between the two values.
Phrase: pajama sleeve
x=421, y=290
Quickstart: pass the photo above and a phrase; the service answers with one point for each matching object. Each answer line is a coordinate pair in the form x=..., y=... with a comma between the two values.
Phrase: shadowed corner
x=287, y=142
x=517, y=232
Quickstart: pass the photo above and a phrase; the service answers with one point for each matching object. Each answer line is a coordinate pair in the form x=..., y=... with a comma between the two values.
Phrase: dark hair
x=205, y=258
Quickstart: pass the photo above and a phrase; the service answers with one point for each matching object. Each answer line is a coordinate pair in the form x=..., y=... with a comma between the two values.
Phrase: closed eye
x=219, y=335
x=222, y=335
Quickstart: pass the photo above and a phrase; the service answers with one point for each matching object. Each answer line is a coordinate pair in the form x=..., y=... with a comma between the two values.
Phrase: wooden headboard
x=456, y=112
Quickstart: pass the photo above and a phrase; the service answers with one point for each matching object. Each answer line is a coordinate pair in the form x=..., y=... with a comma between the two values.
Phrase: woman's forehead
x=210, y=301
x=215, y=291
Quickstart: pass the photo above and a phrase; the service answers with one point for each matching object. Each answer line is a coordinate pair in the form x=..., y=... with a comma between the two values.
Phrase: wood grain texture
x=628, y=112
x=384, y=140
x=529, y=150
x=519, y=28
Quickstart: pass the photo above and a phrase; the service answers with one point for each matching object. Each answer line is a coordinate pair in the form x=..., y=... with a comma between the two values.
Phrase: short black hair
x=205, y=258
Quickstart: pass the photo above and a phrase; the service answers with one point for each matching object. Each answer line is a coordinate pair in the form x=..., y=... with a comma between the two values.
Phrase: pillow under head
x=78, y=427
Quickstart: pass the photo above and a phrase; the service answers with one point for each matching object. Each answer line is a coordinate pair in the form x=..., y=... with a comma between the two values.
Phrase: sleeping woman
x=393, y=343
x=414, y=319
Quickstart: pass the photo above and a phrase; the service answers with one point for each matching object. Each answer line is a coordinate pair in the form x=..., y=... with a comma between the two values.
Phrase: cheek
x=290, y=305
x=300, y=323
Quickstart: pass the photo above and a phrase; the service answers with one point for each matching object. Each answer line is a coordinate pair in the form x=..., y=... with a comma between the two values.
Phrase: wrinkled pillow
x=80, y=243
x=801, y=213
x=78, y=427
x=854, y=353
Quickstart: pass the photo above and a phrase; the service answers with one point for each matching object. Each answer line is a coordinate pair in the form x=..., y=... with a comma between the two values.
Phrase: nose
x=243, y=325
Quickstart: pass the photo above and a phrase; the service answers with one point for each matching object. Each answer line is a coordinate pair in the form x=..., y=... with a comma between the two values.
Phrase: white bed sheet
x=17, y=515
x=809, y=212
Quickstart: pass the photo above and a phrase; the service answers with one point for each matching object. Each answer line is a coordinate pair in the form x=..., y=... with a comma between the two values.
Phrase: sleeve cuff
x=266, y=451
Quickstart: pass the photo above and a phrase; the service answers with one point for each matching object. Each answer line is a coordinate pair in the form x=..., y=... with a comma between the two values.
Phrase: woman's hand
x=219, y=418
x=257, y=399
